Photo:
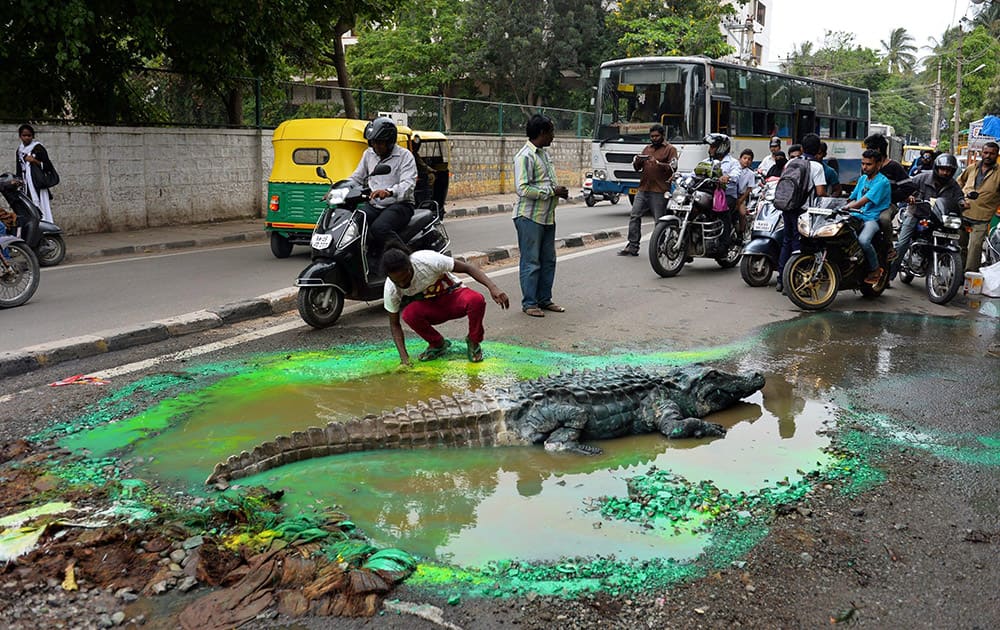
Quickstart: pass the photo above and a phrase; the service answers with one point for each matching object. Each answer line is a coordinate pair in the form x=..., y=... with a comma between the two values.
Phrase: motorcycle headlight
x=952, y=222
x=803, y=224
x=828, y=230
x=350, y=233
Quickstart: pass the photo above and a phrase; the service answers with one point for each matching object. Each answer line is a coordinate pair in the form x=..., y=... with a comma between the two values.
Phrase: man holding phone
x=657, y=162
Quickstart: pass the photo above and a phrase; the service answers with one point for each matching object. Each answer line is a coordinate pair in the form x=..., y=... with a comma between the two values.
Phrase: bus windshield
x=632, y=97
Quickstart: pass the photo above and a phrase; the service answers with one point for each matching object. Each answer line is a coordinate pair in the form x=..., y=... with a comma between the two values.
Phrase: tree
x=899, y=52
x=669, y=27
x=523, y=49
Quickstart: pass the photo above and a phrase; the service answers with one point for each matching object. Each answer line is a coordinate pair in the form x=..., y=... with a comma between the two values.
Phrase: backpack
x=794, y=186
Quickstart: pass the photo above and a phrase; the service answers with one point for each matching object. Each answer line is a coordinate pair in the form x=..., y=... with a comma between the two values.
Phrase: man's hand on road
x=500, y=298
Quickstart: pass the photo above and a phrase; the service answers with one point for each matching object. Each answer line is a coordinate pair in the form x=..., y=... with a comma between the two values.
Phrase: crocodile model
x=558, y=411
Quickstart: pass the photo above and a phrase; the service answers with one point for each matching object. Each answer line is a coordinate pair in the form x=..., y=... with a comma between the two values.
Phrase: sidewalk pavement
x=86, y=247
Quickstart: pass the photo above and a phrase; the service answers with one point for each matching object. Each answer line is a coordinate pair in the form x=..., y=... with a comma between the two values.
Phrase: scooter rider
x=939, y=182
x=390, y=206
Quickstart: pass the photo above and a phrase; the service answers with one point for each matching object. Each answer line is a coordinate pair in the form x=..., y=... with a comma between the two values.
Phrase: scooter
x=760, y=254
x=341, y=268
x=44, y=237
x=593, y=191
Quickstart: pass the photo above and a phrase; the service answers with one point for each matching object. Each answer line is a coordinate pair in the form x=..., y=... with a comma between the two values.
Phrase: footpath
x=90, y=247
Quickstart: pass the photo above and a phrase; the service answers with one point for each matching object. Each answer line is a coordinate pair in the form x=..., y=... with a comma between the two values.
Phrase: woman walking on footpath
x=31, y=153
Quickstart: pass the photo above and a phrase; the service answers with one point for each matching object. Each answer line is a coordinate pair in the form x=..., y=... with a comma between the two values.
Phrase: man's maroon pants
x=423, y=315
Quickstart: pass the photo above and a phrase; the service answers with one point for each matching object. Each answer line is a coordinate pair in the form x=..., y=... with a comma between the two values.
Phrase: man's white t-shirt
x=818, y=178
x=431, y=277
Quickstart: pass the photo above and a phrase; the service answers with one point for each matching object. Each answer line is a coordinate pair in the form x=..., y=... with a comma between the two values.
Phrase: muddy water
x=471, y=506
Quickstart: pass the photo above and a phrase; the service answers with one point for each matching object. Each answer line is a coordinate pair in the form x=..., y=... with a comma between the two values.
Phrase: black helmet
x=382, y=128
x=946, y=160
x=775, y=142
x=720, y=144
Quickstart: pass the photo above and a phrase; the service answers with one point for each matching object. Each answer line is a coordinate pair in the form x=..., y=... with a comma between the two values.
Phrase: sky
x=870, y=20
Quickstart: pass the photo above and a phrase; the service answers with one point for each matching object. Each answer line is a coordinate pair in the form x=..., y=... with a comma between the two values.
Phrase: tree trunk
x=340, y=63
x=234, y=106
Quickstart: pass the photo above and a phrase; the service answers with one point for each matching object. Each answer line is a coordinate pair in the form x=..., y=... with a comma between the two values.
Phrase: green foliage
x=900, y=52
x=526, y=50
x=675, y=27
x=414, y=53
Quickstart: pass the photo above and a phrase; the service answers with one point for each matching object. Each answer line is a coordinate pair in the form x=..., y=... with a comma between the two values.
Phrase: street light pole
x=958, y=92
x=936, y=119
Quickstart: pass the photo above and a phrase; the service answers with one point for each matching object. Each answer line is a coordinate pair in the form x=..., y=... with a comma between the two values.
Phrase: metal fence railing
x=160, y=97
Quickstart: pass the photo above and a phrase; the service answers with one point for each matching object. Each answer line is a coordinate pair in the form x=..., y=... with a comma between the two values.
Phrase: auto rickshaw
x=295, y=192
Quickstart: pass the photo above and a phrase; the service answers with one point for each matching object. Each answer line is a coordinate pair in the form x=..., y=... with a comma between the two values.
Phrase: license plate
x=633, y=191
x=954, y=237
x=820, y=211
x=321, y=241
x=762, y=225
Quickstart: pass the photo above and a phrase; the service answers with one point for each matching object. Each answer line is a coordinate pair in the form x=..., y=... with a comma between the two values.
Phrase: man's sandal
x=473, y=350
x=433, y=352
x=555, y=308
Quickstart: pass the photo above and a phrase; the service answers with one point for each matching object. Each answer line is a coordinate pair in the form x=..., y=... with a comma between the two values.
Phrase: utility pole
x=936, y=119
x=958, y=92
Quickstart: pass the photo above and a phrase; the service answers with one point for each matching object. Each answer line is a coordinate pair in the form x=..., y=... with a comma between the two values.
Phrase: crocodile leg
x=560, y=426
x=672, y=423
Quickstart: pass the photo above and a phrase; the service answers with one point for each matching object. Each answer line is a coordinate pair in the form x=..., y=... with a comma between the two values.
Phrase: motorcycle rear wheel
x=732, y=257
x=320, y=307
x=945, y=279
x=614, y=199
x=51, y=250
x=666, y=263
x=19, y=277
x=808, y=290
x=589, y=200
x=756, y=269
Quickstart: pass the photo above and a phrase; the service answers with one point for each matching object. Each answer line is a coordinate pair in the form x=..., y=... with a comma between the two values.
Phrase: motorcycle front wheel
x=666, y=254
x=945, y=278
x=19, y=275
x=614, y=199
x=320, y=307
x=809, y=285
x=51, y=250
x=756, y=269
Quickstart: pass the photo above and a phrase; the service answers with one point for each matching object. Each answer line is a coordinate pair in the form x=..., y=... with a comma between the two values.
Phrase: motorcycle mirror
x=381, y=169
x=321, y=172
x=972, y=194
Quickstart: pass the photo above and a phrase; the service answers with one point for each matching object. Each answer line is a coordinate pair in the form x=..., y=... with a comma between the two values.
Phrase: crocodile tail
x=476, y=419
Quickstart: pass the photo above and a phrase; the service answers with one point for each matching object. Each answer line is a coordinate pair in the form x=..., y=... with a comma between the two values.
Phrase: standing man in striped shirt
x=535, y=217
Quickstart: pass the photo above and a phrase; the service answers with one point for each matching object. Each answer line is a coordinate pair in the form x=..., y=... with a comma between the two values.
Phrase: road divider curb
x=17, y=362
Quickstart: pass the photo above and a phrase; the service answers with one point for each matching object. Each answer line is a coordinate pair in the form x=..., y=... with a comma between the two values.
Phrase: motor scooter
x=43, y=237
x=760, y=254
x=341, y=267
x=594, y=190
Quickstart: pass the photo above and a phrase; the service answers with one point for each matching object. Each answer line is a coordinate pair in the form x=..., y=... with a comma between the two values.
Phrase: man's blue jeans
x=868, y=233
x=537, y=245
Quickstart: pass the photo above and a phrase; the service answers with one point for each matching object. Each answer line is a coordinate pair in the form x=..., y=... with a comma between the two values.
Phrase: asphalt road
x=84, y=298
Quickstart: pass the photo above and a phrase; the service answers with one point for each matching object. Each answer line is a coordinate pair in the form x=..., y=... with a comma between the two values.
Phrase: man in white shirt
x=766, y=164
x=421, y=288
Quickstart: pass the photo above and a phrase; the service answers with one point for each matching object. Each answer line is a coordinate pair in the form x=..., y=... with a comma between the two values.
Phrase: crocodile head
x=700, y=390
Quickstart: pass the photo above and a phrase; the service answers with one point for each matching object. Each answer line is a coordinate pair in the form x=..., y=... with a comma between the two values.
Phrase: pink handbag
x=719, y=203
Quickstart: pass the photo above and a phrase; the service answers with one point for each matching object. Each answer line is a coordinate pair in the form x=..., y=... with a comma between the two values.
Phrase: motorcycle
x=934, y=253
x=592, y=196
x=691, y=228
x=340, y=268
x=830, y=258
x=760, y=254
x=44, y=237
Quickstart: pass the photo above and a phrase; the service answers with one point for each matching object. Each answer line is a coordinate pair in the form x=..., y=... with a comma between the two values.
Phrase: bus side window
x=720, y=116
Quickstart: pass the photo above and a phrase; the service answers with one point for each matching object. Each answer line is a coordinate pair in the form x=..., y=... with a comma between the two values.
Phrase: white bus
x=693, y=96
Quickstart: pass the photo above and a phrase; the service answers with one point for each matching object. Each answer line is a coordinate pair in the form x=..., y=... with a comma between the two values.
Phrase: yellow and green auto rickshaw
x=295, y=192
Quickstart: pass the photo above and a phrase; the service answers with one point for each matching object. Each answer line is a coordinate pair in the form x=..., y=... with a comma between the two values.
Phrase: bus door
x=720, y=115
x=805, y=122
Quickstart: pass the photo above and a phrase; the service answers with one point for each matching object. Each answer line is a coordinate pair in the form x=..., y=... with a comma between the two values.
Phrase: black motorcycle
x=830, y=258
x=760, y=254
x=44, y=237
x=934, y=253
x=690, y=227
x=341, y=268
